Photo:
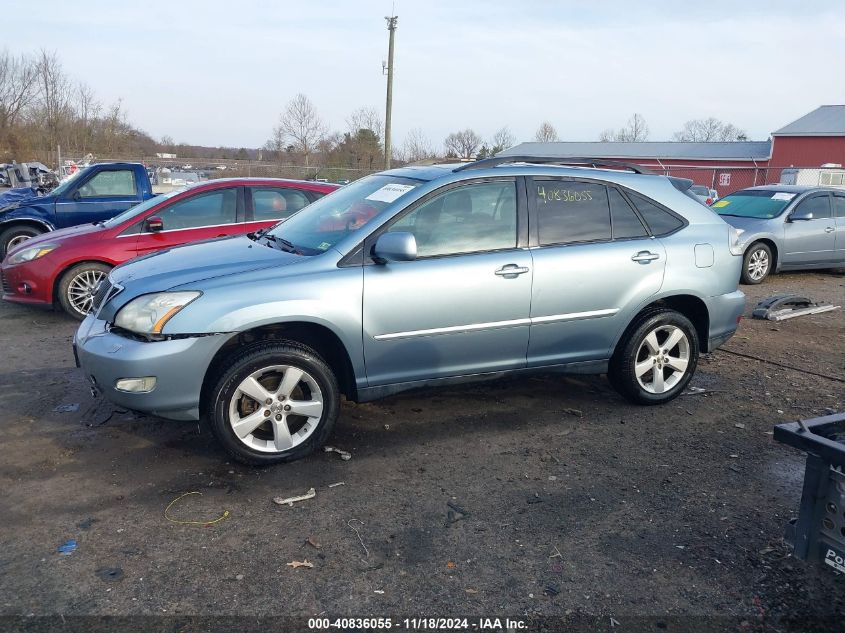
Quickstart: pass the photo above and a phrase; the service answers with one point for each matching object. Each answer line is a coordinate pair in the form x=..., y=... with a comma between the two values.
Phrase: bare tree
x=417, y=146
x=301, y=126
x=634, y=131
x=54, y=95
x=501, y=140
x=17, y=87
x=463, y=144
x=546, y=133
x=709, y=130
x=366, y=119
x=87, y=110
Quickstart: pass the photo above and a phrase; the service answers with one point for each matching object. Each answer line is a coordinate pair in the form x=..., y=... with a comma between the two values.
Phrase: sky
x=220, y=72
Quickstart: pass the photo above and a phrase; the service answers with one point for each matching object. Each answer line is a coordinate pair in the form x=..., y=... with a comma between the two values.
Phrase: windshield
x=321, y=225
x=131, y=212
x=68, y=184
x=761, y=204
x=700, y=190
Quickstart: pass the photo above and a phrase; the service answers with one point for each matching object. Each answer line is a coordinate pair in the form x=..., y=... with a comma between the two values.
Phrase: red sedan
x=65, y=266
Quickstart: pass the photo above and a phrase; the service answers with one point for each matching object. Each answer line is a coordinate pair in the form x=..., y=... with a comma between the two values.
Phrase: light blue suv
x=419, y=276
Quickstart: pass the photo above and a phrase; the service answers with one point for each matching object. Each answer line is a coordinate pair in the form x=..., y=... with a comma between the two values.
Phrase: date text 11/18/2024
x=418, y=624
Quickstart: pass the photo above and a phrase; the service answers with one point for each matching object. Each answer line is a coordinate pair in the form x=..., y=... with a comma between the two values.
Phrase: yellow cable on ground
x=169, y=505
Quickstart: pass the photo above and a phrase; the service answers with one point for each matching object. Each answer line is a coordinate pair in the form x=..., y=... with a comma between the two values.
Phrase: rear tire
x=656, y=358
x=273, y=402
x=15, y=236
x=78, y=285
x=756, y=263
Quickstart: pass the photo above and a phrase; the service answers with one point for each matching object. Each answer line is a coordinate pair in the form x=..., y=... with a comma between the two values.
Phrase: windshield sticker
x=782, y=195
x=324, y=246
x=389, y=193
x=721, y=203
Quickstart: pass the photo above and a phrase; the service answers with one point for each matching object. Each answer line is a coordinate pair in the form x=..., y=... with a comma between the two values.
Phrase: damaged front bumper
x=178, y=366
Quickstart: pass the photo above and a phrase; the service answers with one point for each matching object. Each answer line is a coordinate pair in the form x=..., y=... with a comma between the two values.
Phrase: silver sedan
x=786, y=227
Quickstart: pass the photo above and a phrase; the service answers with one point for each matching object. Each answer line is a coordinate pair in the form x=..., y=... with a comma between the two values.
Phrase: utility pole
x=391, y=26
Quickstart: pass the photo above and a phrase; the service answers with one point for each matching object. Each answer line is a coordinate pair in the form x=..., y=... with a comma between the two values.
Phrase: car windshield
x=67, y=184
x=762, y=204
x=131, y=212
x=321, y=225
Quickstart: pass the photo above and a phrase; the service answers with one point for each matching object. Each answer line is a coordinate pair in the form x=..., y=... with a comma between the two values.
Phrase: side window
x=571, y=211
x=276, y=203
x=109, y=183
x=660, y=221
x=819, y=206
x=625, y=222
x=472, y=218
x=839, y=206
x=206, y=209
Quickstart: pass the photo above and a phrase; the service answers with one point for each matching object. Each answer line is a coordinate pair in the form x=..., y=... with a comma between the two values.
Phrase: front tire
x=656, y=358
x=274, y=402
x=15, y=236
x=756, y=264
x=78, y=286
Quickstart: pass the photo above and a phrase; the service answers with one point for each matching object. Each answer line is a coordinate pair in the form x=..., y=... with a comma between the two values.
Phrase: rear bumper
x=725, y=314
x=178, y=365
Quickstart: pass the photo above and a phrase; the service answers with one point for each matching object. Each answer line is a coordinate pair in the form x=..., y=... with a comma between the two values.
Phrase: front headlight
x=147, y=314
x=735, y=241
x=32, y=252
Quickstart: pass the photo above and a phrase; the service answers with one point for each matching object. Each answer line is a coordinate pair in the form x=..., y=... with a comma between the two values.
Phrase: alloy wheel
x=276, y=408
x=758, y=264
x=662, y=359
x=16, y=241
x=82, y=288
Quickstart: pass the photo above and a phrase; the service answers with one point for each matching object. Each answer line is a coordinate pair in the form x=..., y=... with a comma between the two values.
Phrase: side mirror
x=801, y=214
x=154, y=224
x=395, y=247
x=76, y=195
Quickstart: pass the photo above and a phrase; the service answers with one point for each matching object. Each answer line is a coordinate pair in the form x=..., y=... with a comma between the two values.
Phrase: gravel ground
x=570, y=502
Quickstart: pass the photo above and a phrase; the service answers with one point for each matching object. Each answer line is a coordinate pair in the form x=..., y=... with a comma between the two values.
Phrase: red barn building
x=816, y=139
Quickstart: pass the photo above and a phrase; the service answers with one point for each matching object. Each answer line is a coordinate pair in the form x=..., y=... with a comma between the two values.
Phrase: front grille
x=104, y=293
x=7, y=288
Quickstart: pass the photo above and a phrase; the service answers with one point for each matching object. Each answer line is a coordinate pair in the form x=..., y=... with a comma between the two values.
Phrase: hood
x=194, y=263
x=19, y=194
x=61, y=235
x=752, y=225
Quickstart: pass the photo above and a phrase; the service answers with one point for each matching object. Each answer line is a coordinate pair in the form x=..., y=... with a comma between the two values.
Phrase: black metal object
x=819, y=532
x=484, y=163
x=785, y=306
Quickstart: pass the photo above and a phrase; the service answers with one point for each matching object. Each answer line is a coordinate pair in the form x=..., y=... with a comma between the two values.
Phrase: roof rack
x=553, y=160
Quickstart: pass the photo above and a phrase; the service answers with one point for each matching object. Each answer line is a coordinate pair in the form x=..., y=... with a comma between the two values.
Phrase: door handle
x=644, y=257
x=511, y=270
x=829, y=229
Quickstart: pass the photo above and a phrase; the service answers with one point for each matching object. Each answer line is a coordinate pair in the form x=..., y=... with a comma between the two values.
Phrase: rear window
x=660, y=221
x=700, y=190
x=571, y=212
x=758, y=203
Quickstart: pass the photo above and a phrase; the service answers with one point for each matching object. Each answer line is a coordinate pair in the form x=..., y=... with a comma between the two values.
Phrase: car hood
x=15, y=196
x=191, y=264
x=751, y=225
x=89, y=231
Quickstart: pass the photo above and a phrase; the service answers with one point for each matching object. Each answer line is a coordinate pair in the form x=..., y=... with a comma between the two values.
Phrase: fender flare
x=24, y=220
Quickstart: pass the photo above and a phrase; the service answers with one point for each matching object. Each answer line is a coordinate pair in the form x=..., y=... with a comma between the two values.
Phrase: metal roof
x=826, y=120
x=660, y=150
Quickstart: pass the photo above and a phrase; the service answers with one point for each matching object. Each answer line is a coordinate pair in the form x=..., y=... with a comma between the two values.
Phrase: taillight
x=709, y=201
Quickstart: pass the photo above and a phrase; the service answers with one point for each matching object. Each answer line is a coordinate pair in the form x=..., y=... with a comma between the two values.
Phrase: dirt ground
x=576, y=503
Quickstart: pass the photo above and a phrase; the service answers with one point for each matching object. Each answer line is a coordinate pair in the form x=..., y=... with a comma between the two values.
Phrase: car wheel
x=274, y=402
x=78, y=287
x=756, y=264
x=14, y=236
x=656, y=358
